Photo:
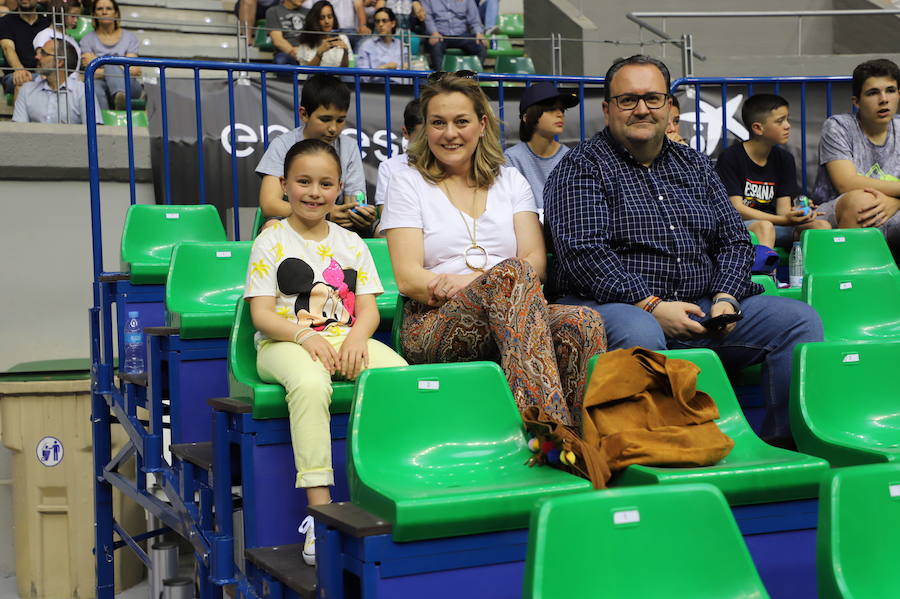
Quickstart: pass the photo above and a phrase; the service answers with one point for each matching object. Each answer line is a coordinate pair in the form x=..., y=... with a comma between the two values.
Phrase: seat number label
x=840, y=239
x=173, y=215
x=894, y=490
x=850, y=358
x=626, y=517
x=846, y=285
x=429, y=385
x=223, y=254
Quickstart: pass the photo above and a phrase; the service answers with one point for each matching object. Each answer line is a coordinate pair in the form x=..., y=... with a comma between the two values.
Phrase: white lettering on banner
x=379, y=137
x=244, y=134
x=366, y=141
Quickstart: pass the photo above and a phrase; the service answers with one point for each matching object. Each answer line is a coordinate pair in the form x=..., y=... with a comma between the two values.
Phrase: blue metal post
x=128, y=118
x=232, y=137
x=167, y=167
x=198, y=118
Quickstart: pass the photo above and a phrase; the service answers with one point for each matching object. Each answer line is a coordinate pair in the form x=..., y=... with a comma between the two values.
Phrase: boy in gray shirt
x=541, y=118
x=858, y=183
x=323, y=112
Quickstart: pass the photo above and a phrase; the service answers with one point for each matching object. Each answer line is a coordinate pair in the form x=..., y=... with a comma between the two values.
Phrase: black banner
x=374, y=137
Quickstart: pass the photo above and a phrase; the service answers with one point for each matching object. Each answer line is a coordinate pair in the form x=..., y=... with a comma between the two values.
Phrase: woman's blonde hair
x=488, y=156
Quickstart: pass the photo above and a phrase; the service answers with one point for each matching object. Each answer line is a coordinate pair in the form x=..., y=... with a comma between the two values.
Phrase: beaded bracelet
x=652, y=303
x=302, y=335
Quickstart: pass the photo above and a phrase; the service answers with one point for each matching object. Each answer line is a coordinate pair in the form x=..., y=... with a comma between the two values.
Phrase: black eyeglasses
x=653, y=100
x=464, y=73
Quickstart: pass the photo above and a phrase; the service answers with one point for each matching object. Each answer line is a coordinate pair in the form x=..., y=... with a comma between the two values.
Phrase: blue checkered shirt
x=621, y=231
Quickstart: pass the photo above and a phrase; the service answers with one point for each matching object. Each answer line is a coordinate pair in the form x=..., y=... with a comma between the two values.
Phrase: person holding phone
x=320, y=43
x=643, y=231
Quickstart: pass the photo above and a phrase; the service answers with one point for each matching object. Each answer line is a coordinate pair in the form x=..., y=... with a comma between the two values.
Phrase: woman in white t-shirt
x=468, y=252
x=320, y=44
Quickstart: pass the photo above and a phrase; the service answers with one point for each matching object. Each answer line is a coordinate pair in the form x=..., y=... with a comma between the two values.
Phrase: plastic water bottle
x=134, y=345
x=796, y=263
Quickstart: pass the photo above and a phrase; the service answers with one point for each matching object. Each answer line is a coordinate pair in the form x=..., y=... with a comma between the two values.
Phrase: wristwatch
x=734, y=304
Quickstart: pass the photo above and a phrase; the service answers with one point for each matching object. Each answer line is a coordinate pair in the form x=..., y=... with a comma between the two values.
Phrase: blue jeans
x=770, y=329
x=490, y=11
x=112, y=83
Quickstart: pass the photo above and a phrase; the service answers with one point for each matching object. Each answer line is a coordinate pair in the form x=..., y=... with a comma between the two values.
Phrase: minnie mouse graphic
x=318, y=303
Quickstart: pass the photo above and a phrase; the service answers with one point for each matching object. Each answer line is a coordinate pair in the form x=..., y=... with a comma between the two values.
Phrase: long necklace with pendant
x=475, y=256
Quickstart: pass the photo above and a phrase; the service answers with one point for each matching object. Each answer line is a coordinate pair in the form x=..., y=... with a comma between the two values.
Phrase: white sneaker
x=308, y=526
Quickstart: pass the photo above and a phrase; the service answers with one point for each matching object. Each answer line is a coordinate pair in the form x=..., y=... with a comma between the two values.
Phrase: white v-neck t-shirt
x=415, y=203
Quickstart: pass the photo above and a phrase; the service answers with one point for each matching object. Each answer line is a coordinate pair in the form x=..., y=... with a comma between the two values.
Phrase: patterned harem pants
x=503, y=316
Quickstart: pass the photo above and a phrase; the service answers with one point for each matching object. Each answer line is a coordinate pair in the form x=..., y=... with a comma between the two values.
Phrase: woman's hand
x=87, y=57
x=444, y=286
x=322, y=351
x=353, y=357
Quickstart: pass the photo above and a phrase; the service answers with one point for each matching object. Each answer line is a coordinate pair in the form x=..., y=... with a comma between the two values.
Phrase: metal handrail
x=639, y=16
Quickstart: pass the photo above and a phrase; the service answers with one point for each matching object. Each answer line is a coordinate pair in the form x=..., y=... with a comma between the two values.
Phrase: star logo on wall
x=711, y=123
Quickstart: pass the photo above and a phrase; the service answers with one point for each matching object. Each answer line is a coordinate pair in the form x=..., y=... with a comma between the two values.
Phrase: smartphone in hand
x=717, y=323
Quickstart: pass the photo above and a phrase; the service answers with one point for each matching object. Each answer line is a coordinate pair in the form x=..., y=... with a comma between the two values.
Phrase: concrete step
x=168, y=19
x=167, y=44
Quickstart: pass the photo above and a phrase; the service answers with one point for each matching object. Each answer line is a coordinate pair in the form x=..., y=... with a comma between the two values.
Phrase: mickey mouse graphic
x=318, y=303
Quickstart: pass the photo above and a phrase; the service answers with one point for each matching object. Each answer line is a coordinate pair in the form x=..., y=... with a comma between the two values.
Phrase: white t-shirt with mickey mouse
x=314, y=283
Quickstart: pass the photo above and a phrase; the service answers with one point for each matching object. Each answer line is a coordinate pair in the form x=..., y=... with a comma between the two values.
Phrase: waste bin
x=45, y=421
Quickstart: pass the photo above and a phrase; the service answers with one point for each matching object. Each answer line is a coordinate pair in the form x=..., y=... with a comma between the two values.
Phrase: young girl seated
x=311, y=285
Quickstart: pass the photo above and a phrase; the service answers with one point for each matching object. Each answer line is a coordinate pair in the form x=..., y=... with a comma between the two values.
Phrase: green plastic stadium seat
x=754, y=472
x=423, y=460
x=844, y=404
x=769, y=287
x=151, y=232
x=856, y=306
x=515, y=65
x=119, y=118
x=846, y=252
x=262, y=40
x=512, y=24
x=857, y=542
x=82, y=27
x=453, y=51
x=205, y=281
x=258, y=220
x=387, y=301
x=501, y=46
x=639, y=543
x=753, y=238
x=453, y=62
x=244, y=384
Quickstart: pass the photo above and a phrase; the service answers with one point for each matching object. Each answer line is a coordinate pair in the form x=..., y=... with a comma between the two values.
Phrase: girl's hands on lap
x=353, y=357
x=322, y=351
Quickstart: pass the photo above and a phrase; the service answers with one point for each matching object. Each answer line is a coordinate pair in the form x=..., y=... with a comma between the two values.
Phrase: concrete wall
x=45, y=233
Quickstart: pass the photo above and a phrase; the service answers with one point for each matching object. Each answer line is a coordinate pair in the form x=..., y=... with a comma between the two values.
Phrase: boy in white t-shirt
x=311, y=285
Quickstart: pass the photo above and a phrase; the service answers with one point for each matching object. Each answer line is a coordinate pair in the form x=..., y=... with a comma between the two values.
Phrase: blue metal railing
x=726, y=83
x=263, y=70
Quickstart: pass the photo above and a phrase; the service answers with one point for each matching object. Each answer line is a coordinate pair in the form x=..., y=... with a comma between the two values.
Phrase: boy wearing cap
x=541, y=118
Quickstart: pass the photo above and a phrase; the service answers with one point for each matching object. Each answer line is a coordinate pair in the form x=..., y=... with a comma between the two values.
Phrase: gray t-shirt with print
x=289, y=22
x=843, y=139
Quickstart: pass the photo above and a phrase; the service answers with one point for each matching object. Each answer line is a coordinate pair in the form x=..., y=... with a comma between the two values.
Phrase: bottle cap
x=133, y=314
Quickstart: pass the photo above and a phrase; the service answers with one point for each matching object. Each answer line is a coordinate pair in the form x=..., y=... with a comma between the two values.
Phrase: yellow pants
x=308, y=387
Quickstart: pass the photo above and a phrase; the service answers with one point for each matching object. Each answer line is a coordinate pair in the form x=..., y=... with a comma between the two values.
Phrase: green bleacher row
x=445, y=493
x=687, y=538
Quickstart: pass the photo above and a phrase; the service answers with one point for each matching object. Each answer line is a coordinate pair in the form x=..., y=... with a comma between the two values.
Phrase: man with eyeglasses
x=54, y=96
x=643, y=231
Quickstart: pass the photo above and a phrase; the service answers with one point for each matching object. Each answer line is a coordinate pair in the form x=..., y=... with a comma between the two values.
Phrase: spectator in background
x=490, y=13
x=16, y=35
x=673, y=131
x=542, y=118
x=345, y=17
x=760, y=176
x=72, y=10
x=384, y=51
x=320, y=44
x=412, y=120
x=109, y=39
x=249, y=12
x=453, y=18
x=6, y=6
x=324, y=102
x=858, y=184
x=365, y=13
x=53, y=96
x=285, y=24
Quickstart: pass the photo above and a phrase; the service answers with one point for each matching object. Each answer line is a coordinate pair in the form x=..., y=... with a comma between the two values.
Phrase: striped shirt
x=621, y=231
